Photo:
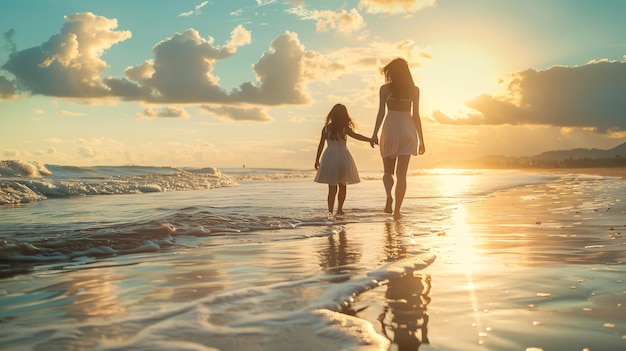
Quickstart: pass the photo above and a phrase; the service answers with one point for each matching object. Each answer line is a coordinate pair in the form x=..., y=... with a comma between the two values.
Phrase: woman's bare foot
x=339, y=213
x=397, y=215
x=388, y=205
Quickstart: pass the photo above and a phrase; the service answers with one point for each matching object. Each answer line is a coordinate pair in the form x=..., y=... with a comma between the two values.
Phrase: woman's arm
x=418, y=121
x=382, y=99
x=320, y=147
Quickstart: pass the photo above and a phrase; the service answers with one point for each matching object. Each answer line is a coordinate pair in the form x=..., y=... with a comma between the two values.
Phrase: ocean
x=164, y=258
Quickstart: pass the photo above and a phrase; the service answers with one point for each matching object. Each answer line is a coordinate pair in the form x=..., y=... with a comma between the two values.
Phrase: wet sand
x=534, y=268
x=537, y=268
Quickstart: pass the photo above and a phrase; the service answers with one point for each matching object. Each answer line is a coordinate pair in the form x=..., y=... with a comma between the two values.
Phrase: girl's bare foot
x=397, y=215
x=339, y=213
x=388, y=205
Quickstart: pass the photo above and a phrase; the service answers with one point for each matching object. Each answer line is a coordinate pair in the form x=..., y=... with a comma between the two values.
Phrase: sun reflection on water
x=467, y=256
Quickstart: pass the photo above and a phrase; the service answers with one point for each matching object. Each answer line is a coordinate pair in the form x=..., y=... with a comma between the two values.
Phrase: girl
x=402, y=130
x=337, y=168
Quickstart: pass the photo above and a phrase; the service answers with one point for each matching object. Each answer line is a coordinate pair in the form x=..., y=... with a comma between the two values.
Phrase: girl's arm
x=418, y=121
x=320, y=147
x=382, y=97
x=358, y=136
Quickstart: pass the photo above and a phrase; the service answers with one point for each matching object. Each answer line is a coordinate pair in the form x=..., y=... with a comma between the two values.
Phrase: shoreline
x=602, y=171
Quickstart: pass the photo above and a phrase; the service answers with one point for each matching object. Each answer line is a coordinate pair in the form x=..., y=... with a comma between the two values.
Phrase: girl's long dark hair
x=338, y=120
x=399, y=77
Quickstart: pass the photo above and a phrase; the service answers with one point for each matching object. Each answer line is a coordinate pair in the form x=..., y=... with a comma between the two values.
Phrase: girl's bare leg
x=332, y=192
x=343, y=189
x=401, y=170
x=389, y=164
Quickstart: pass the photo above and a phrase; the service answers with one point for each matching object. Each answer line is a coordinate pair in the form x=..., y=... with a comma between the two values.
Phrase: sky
x=197, y=83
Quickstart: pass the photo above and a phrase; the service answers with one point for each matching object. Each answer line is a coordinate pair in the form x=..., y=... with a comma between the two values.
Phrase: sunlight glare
x=457, y=72
x=466, y=256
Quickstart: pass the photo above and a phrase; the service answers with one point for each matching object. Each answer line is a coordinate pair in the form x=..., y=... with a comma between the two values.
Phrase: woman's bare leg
x=332, y=192
x=343, y=190
x=401, y=170
x=389, y=163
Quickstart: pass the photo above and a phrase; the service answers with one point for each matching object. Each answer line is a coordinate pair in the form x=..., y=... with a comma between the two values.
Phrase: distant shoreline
x=603, y=171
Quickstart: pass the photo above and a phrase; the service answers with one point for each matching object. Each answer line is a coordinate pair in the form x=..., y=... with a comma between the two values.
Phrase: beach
x=480, y=260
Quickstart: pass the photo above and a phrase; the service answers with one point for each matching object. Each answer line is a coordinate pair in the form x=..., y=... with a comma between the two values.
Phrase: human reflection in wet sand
x=338, y=255
x=404, y=320
x=405, y=316
x=395, y=248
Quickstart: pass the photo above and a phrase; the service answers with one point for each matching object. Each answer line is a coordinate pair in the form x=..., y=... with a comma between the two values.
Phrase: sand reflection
x=339, y=255
x=404, y=320
x=395, y=241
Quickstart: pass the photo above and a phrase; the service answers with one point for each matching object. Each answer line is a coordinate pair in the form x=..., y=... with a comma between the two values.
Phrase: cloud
x=182, y=69
x=284, y=72
x=87, y=152
x=12, y=153
x=236, y=113
x=7, y=89
x=68, y=64
x=175, y=112
x=587, y=96
x=377, y=54
x=395, y=7
x=196, y=11
x=70, y=113
x=238, y=37
x=8, y=37
x=181, y=72
x=344, y=22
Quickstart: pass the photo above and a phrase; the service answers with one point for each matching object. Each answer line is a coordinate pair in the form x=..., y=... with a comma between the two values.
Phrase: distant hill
x=574, y=158
x=581, y=154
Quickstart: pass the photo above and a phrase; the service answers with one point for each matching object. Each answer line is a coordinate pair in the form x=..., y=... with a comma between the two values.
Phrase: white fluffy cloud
x=236, y=113
x=69, y=63
x=344, y=22
x=590, y=96
x=395, y=7
x=284, y=72
x=172, y=112
x=182, y=68
x=196, y=11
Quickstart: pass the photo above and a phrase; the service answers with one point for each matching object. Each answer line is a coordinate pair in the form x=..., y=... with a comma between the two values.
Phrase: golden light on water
x=467, y=257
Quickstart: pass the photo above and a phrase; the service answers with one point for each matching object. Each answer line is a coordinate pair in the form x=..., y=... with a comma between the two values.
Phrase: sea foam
x=26, y=182
x=14, y=168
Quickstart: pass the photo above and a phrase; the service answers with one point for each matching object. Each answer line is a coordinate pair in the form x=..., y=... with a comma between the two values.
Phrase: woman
x=402, y=130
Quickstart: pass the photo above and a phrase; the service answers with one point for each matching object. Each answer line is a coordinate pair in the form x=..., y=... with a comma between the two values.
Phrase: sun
x=457, y=72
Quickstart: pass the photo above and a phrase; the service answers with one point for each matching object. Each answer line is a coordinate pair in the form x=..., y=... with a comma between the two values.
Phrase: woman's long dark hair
x=399, y=76
x=337, y=121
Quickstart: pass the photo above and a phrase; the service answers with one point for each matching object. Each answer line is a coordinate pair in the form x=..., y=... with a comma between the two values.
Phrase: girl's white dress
x=337, y=165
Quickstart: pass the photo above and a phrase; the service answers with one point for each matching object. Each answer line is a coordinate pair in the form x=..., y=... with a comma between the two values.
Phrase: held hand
x=374, y=140
x=317, y=164
x=422, y=149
